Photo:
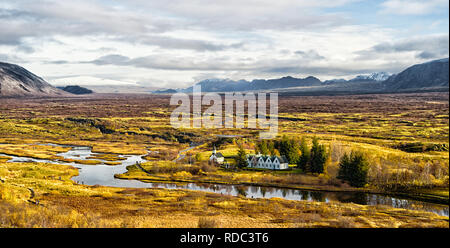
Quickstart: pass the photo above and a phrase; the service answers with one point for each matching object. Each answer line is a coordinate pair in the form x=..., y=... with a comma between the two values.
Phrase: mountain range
x=376, y=76
x=434, y=75
x=226, y=85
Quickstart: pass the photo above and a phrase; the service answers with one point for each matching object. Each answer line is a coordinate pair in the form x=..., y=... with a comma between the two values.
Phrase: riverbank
x=438, y=195
x=63, y=203
x=214, y=177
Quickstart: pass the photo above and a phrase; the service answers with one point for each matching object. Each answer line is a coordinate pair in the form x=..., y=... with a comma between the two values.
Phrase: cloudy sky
x=176, y=43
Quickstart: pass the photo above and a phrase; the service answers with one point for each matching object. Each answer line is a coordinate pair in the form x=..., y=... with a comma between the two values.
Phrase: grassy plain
x=382, y=126
x=62, y=203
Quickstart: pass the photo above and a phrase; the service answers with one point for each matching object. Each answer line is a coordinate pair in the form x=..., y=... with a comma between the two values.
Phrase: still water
x=104, y=175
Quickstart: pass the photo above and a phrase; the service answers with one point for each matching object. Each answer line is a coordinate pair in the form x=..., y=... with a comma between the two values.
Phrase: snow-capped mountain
x=227, y=85
x=376, y=76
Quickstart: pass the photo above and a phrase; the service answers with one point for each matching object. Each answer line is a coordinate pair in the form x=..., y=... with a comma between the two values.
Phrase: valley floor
x=59, y=202
x=43, y=195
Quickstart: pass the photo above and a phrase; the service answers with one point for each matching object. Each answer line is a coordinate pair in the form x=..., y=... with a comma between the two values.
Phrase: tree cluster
x=312, y=159
x=353, y=168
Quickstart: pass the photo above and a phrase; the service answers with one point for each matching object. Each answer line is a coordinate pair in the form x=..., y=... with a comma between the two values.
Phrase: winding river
x=103, y=174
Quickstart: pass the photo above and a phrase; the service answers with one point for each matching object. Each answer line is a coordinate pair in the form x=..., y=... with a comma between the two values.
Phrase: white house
x=267, y=162
x=216, y=157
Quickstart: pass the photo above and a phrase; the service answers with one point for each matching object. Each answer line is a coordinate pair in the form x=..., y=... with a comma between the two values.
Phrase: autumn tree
x=271, y=148
x=263, y=149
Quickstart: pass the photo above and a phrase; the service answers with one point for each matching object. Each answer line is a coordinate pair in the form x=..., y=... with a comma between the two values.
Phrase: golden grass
x=65, y=204
x=32, y=151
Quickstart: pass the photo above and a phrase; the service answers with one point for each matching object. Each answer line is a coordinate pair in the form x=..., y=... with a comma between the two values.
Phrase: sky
x=172, y=44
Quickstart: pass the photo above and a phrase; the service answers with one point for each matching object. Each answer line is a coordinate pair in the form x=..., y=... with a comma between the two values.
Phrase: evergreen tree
x=344, y=167
x=305, y=156
x=318, y=158
x=354, y=168
x=241, y=159
x=289, y=148
x=283, y=147
x=293, y=151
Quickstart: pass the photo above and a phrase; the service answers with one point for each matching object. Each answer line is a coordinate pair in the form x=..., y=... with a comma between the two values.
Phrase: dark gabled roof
x=283, y=159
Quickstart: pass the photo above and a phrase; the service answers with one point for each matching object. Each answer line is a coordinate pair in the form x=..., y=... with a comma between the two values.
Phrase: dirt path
x=181, y=155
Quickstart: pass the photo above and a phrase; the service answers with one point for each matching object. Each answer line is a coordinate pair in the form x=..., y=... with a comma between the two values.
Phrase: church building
x=216, y=157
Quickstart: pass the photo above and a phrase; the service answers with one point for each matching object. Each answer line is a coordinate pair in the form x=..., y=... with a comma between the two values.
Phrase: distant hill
x=17, y=81
x=227, y=85
x=120, y=89
x=168, y=91
x=427, y=75
x=75, y=89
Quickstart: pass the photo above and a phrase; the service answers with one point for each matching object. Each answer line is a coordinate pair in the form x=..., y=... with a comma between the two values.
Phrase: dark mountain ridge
x=75, y=89
x=17, y=81
x=426, y=75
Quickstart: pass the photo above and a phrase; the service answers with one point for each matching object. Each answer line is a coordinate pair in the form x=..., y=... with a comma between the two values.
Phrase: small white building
x=267, y=162
x=216, y=157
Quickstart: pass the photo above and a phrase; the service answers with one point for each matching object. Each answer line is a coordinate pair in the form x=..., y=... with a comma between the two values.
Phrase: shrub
x=207, y=167
x=207, y=223
x=421, y=147
x=183, y=174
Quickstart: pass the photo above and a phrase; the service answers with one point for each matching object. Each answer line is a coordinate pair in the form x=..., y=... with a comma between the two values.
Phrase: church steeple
x=214, y=151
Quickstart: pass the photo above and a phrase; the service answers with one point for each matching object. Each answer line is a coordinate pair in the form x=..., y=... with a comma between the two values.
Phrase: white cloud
x=421, y=47
x=173, y=44
x=226, y=15
x=88, y=80
x=413, y=7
